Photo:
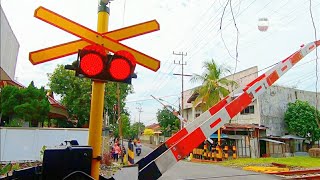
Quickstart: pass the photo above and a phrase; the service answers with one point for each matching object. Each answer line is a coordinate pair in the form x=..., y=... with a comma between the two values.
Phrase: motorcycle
x=138, y=149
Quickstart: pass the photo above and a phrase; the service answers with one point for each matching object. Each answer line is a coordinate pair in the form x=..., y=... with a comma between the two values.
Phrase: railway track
x=313, y=174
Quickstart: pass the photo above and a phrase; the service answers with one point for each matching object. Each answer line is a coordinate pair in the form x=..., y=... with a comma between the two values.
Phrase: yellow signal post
x=219, y=144
x=108, y=40
x=97, y=101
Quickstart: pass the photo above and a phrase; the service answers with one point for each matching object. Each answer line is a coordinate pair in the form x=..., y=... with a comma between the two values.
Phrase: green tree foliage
x=213, y=87
x=75, y=94
x=129, y=131
x=14, y=123
x=134, y=129
x=168, y=122
x=10, y=98
x=301, y=120
x=125, y=127
x=30, y=104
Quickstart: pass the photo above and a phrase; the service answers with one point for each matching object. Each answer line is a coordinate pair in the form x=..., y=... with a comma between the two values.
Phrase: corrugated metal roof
x=292, y=137
x=271, y=140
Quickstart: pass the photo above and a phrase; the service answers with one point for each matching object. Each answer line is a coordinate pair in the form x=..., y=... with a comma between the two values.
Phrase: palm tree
x=213, y=88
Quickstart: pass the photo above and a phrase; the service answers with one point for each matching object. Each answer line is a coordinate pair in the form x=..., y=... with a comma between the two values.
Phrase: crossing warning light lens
x=128, y=56
x=120, y=69
x=91, y=64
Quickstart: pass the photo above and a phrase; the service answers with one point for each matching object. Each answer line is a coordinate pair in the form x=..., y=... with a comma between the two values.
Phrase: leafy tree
x=10, y=98
x=14, y=123
x=30, y=104
x=75, y=94
x=148, y=132
x=125, y=127
x=300, y=118
x=213, y=88
x=168, y=122
x=134, y=129
x=35, y=106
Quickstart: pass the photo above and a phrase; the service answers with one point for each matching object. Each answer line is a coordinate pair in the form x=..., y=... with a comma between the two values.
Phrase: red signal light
x=120, y=69
x=91, y=64
x=122, y=65
x=95, y=48
x=128, y=56
x=94, y=63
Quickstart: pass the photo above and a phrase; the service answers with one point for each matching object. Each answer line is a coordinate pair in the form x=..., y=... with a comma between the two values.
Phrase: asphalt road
x=184, y=170
x=145, y=150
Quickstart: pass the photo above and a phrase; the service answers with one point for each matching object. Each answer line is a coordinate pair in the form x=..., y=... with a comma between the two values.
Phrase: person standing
x=117, y=151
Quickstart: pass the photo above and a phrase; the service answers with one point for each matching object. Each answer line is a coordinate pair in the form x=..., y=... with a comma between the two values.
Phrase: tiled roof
x=153, y=126
x=55, y=103
x=10, y=82
x=243, y=126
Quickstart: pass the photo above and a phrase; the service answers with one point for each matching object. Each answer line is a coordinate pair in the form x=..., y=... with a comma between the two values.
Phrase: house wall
x=243, y=78
x=25, y=144
x=248, y=118
x=274, y=102
x=190, y=116
x=187, y=107
x=9, y=48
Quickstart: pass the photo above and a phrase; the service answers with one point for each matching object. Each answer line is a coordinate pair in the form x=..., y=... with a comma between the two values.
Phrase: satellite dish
x=263, y=24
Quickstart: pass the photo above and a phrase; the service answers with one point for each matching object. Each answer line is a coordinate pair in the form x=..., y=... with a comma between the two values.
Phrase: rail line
x=299, y=174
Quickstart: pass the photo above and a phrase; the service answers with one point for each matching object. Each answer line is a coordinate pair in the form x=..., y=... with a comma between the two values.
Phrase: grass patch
x=305, y=162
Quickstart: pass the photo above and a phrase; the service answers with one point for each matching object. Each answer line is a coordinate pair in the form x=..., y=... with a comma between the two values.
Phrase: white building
x=269, y=108
x=9, y=50
x=262, y=118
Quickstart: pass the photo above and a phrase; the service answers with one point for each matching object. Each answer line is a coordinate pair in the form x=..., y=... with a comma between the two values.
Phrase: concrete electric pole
x=139, y=108
x=182, y=75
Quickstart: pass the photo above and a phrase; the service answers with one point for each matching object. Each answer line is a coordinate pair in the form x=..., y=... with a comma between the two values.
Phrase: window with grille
x=248, y=110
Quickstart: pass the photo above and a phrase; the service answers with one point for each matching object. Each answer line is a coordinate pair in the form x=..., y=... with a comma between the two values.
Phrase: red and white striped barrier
x=182, y=143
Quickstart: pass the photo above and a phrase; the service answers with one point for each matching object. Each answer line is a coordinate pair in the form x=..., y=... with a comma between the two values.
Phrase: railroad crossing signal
x=108, y=41
x=94, y=63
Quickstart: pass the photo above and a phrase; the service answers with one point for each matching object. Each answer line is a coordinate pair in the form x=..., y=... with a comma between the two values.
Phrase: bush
x=106, y=159
x=314, y=152
x=14, y=123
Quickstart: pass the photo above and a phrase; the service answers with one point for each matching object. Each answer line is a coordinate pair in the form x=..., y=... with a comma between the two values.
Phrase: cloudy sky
x=186, y=26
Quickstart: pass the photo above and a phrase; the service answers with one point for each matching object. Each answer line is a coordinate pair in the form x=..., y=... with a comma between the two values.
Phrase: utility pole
x=119, y=115
x=182, y=75
x=139, y=110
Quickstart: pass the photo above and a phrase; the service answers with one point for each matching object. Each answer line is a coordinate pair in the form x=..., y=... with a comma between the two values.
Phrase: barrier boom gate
x=183, y=142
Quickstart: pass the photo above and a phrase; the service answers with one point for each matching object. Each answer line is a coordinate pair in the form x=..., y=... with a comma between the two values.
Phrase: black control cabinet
x=61, y=161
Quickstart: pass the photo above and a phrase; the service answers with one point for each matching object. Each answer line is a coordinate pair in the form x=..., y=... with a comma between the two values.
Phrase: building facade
x=267, y=110
x=261, y=120
x=9, y=49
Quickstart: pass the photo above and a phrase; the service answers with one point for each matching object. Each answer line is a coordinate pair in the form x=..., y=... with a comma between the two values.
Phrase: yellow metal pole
x=219, y=144
x=97, y=102
x=219, y=137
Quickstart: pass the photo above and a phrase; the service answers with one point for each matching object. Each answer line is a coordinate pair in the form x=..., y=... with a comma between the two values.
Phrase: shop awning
x=215, y=136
